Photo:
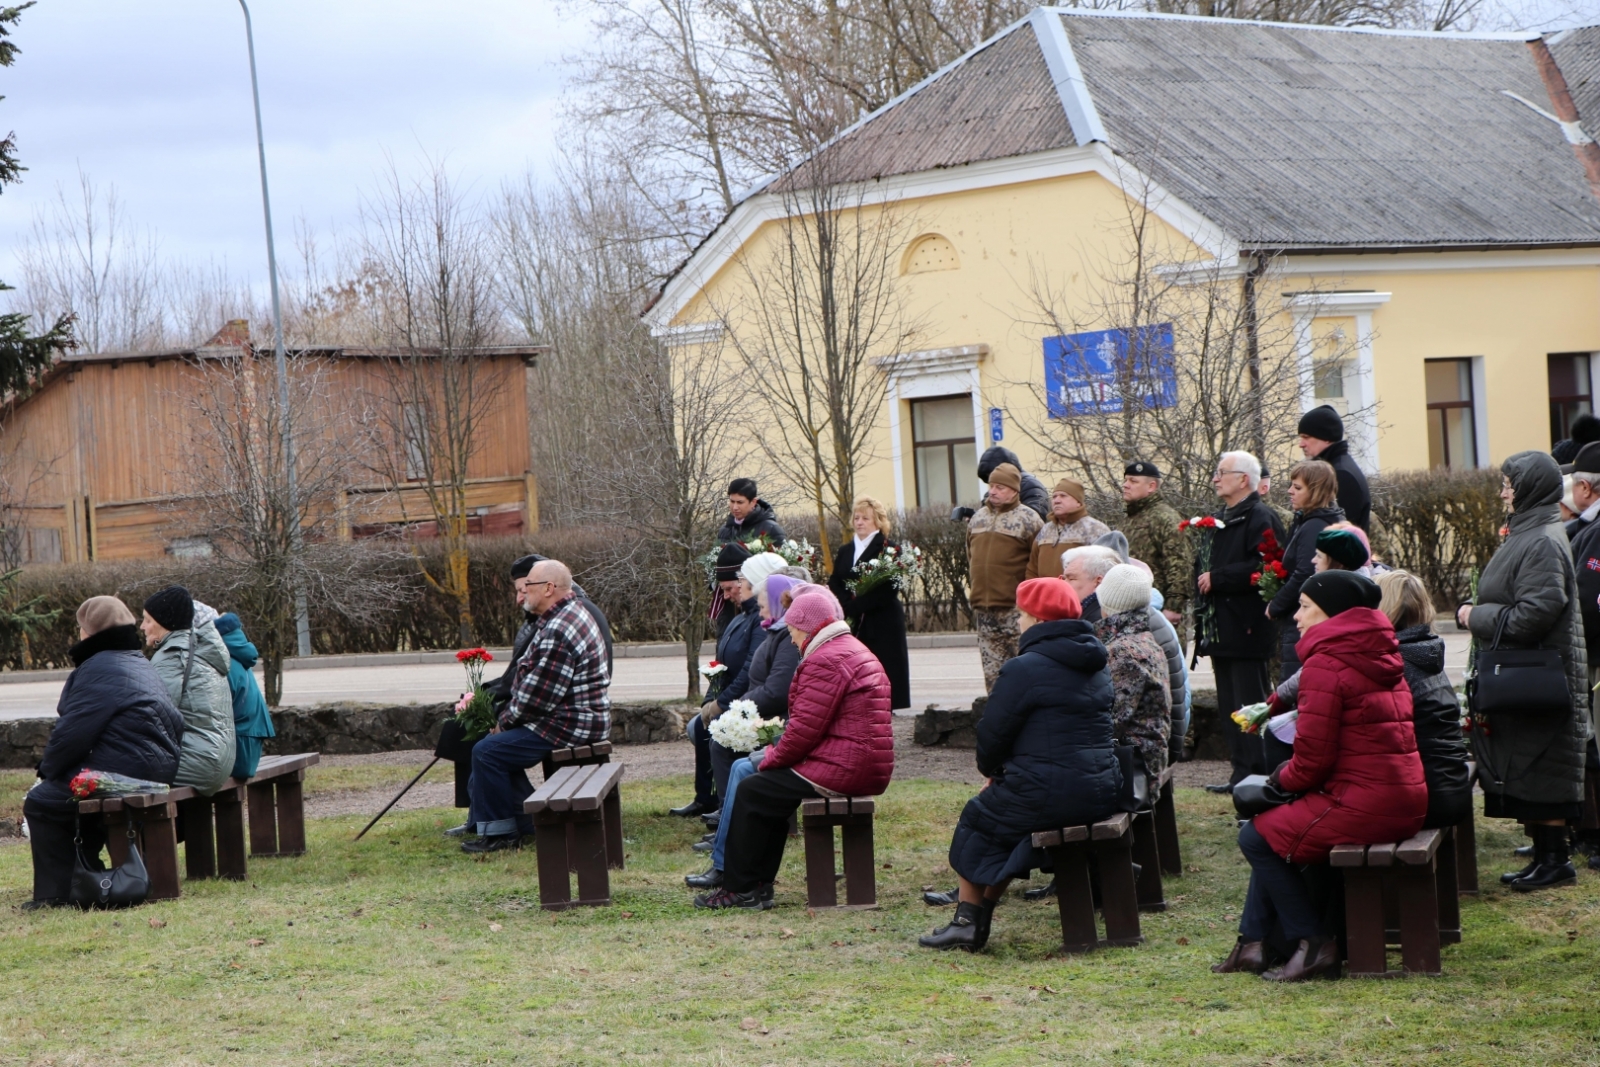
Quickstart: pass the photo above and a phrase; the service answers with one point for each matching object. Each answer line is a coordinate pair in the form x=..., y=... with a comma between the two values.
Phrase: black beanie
x=745, y=487
x=1585, y=429
x=1322, y=423
x=172, y=607
x=729, y=560
x=522, y=566
x=1343, y=547
x=1338, y=591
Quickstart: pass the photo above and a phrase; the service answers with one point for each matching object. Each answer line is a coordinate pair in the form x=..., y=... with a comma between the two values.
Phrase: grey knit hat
x=1124, y=588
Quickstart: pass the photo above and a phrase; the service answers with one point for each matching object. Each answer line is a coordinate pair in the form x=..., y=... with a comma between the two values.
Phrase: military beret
x=1142, y=469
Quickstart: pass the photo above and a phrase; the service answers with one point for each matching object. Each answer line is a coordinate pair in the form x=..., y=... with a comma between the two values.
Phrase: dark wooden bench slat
x=1347, y=856
x=597, y=786
x=1112, y=828
x=545, y=793
x=1419, y=848
x=561, y=800
x=1381, y=855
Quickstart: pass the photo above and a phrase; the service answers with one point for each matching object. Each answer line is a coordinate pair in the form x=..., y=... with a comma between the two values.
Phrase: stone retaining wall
x=958, y=728
x=346, y=729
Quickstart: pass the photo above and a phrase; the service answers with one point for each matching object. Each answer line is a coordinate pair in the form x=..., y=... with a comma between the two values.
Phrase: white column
x=979, y=422
x=1305, y=358
x=1362, y=426
x=1364, y=439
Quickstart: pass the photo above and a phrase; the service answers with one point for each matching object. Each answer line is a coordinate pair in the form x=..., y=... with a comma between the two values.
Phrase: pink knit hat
x=813, y=607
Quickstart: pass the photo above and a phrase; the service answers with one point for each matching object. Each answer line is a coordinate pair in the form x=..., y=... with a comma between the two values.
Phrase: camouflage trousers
x=997, y=640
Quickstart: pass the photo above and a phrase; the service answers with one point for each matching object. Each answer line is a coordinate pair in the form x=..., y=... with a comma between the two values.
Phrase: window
x=946, y=451
x=1452, y=436
x=931, y=252
x=1571, y=392
x=1328, y=380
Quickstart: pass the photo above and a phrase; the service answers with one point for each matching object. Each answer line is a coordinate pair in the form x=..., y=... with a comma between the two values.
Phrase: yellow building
x=1428, y=204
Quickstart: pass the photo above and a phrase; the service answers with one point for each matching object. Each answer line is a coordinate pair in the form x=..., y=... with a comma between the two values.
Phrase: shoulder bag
x=1518, y=681
x=121, y=887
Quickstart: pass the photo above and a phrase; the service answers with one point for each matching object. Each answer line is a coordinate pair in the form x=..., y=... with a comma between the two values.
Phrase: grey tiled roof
x=1287, y=137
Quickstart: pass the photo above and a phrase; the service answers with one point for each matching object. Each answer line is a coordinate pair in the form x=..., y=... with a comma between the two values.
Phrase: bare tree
x=819, y=321
x=427, y=255
x=238, y=498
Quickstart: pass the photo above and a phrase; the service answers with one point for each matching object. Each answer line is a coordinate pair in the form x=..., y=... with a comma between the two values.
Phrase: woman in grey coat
x=1531, y=766
x=192, y=661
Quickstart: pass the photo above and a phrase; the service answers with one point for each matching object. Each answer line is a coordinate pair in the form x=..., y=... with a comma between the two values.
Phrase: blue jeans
x=1277, y=894
x=742, y=769
x=499, y=783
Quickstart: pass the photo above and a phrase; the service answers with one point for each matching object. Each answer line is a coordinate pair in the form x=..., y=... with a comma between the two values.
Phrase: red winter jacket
x=839, y=735
x=1355, y=748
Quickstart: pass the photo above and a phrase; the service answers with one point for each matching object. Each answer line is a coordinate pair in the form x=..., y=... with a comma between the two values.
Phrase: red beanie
x=1048, y=599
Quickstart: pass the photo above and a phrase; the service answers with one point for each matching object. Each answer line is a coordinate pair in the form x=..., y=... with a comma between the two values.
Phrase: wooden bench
x=1166, y=827
x=1391, y=895
x=153, y=818
x=1110, y=845
x=277, y=805
x=853, y=817
x=1155, y=845
x=579, y=756
x=577, y=797
x=1464, y=843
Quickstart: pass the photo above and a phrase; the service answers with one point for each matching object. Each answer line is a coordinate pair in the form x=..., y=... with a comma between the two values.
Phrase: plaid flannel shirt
x=561, y=691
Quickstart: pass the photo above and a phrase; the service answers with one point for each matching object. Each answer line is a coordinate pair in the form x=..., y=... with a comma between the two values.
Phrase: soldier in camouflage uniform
x=1154, y=538
x=999, y=540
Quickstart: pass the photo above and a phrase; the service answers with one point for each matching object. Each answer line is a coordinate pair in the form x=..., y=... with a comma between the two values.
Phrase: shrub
x=1439, y=525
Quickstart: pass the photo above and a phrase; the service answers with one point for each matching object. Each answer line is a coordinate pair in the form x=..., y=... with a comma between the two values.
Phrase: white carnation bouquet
x=742, y=729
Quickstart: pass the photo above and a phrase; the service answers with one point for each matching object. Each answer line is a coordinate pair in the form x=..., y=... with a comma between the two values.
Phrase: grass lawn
x=401, y=950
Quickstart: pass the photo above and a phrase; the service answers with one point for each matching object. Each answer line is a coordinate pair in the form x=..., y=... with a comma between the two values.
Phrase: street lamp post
x=302, y=620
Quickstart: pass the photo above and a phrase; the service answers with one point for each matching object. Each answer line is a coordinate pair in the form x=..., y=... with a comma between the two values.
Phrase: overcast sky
x=154, y=98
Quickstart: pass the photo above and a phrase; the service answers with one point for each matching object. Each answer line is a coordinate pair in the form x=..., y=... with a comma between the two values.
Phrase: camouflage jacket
x=1141, y=710
x=999, y=539
x=1151, y=528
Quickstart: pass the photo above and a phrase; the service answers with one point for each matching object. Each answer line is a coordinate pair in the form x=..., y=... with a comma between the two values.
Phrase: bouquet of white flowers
x=801, y=553
x=742, y=729
x=896, y=565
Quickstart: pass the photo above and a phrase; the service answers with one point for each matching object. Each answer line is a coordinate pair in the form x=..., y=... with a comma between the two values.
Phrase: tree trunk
x=272, y=677
x=693, y=633
x=461, y=589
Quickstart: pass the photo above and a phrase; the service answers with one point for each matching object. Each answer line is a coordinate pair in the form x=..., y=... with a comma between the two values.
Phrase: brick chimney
x=235, y=333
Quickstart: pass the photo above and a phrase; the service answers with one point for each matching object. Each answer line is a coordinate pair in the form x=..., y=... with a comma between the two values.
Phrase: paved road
x=949, y=677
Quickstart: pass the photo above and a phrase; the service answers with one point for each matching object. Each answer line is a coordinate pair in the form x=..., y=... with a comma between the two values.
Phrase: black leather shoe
x=1044, y=892
x=1220, y=787
x=1550, y=872
x=757, y=899
x=492, y=843
x=693, y=808
x=704, y=846
x=711, y=819
x=1512, y=876
x=711, y=879
x=1316, y=957
x=961, y=933
x=1247, y=956
x=1524, y=852
x=941, y=900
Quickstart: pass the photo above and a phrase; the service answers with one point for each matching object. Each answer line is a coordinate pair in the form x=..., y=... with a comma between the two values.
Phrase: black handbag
x=1135, y=794
x=1255, y=794
x=1518, y=681
x=122, y=886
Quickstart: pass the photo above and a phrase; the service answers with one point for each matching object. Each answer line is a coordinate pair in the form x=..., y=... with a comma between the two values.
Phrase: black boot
x=961, y=933
x=935, y=899
x=1528, y=852
x=1553, y=866
x=983, y=923
x=1040, y=893
x=695, y=807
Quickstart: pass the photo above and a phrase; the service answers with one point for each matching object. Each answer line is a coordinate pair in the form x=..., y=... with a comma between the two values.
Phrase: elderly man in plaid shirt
x=559, y=699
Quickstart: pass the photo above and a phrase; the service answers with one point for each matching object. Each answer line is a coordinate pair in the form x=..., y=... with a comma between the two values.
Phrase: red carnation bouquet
x=1205, y=612
x=1270, y=578
x=475, y=709
x=87, y=783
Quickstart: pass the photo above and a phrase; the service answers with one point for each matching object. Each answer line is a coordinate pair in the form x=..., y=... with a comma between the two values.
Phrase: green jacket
x=1151, y=527
x=207, y=754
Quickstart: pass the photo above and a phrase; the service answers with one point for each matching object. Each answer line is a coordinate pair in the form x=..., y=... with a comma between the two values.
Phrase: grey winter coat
x=206, y=705
x=1535, y=759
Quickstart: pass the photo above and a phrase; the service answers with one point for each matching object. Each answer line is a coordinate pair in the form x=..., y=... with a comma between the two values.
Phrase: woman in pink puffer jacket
x=838, y=742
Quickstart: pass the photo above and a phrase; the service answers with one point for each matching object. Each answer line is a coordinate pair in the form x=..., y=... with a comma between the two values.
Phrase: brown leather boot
x=1246, y=956
x=1316, y=957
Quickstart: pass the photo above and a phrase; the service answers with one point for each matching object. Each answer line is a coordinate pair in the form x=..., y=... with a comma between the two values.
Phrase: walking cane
x=397, y=797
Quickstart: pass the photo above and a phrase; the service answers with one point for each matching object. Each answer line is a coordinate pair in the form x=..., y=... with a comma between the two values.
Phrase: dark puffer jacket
x=1045, y=740
x=1355, y=749
x=771, y=671
x=741, y=637
x=115, y=715
x=1436, y=715
x=761, y=522
x=1534, y=759
x=1300, y=559
x=840, y=735
x=1034, y=495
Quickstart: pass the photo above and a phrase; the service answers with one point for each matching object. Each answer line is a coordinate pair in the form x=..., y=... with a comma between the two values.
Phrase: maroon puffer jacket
x=1355, y=748
x=839, y=735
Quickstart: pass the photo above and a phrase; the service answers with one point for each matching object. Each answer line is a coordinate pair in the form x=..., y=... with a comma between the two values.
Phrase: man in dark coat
x=1322, y=437
x=500, y=688
x=1033, y=492
x=115, y=716
x=1230, y=616
x=748, y=515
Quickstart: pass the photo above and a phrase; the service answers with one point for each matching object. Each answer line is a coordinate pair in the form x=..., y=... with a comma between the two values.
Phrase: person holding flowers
x=1313, y=492
x=116, y=717
x=869, y=591
x=747, y=636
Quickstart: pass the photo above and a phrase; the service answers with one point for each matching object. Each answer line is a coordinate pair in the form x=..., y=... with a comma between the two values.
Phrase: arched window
x=931, y=252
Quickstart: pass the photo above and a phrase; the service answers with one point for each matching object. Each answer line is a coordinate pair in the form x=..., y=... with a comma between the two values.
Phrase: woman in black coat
x=1435, y=710
x=115, y=716
x=1313, y=490
x=876, y=616
x=1045, y=743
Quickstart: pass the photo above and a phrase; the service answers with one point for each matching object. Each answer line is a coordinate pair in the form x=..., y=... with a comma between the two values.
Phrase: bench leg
x=550, y=842
x=1466, y=834
x=1146, y=853
x=1419, y=918
x=229, y=807
x=199, y=848
x=159, y=836
x=860, y=877
x=1167, y=832
x=589, y=857
x=291, y=815
x=1074, y=898
x=1363, y=922
x=1119, y=897
x=263, y=820
x=1445, y=889
x=117, y=836
x=612, y=808
x=820, y=889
